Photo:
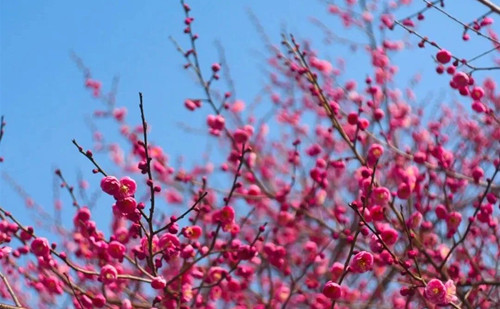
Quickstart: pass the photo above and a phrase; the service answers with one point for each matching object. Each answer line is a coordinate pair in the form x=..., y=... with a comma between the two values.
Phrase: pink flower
x=108, y=274
x=451, y=291
x=216, y=273
x=126, y=205
x=127, y=188
x=143, y=249
x=116, y=250
x=435, y=291
x=82, y=216
x=40, y=246
x=389, y=236
x=375, y=244
x=5, y=251
x=375, y=151
x=241, y=136
x=381, y=195
x=170, y=244
x=438, y=293
x=310, y=249
x=52, y=284
x=110, y=185
x=453, y=221
x=377, y=213
x=192, y=232
x=332, y=290
x=188, y=252
x=415, y=220
x=361, y=262
x=404, y=191
x=225, y=215
x=158, y=283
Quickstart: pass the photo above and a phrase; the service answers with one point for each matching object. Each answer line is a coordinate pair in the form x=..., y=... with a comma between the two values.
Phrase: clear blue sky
x=45, y=104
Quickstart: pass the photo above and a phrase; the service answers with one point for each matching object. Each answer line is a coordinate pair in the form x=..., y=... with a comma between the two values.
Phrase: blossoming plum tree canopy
x=259, y=154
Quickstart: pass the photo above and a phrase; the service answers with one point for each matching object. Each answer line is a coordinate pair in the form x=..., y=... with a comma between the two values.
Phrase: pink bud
x=352, y=118
x=332, y=290
x=389, y=236
x=215, y=67
x=441, y=212
x=477, y=93
x=478, y=107
x=99, y=301
x=477, y=173
x=190, y=104
x=363, y=123
x=337, y=269
x=461, y=79
x=443, y=56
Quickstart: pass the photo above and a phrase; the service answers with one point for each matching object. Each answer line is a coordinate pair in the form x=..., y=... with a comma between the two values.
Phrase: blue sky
x=45, y=104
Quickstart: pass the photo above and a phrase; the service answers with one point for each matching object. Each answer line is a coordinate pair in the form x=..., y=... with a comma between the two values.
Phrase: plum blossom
x=40, y=247
x=440, y=294
x=361, y=262
x=108, y=274
x=110, y=185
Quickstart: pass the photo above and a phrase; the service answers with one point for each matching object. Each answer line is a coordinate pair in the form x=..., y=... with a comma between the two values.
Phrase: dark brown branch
x=90, y=157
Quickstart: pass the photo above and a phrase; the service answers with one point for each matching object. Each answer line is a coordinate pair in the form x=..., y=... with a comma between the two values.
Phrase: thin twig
x=11, y=291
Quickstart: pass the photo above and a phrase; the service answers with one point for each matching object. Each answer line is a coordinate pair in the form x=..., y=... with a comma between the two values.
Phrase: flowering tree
x=345, y=195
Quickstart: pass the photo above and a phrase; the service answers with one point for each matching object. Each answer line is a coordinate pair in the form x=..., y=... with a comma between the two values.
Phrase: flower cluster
x=123, y=191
